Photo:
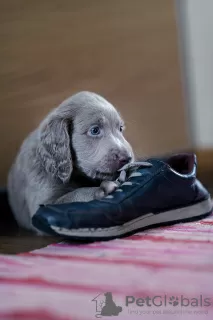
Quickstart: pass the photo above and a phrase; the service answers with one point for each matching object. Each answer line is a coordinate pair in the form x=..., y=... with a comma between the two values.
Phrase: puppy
x=73, y=155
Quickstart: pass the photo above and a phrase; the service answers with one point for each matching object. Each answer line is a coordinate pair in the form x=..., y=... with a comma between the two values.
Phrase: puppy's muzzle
x=121, y=160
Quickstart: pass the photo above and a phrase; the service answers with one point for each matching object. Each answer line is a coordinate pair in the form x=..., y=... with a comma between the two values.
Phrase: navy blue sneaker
x=151, y=193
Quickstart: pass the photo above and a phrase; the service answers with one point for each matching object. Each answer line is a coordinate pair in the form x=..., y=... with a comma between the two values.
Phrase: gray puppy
x=73, y=155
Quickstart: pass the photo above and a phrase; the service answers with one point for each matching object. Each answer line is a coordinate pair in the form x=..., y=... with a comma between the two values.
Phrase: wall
x=196, y=28
x=125, y=50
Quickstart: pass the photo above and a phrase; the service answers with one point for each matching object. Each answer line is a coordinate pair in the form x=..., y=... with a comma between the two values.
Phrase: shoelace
x=128, y=167
x=121, y=180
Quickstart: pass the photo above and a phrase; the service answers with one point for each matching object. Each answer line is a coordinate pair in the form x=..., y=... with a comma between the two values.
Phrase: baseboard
x=205, y=165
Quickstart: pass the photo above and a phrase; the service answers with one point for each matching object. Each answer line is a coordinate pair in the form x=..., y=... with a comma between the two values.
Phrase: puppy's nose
x=124, y=160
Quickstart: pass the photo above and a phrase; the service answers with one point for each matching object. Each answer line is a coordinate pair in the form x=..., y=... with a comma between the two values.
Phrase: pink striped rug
x=164, y=273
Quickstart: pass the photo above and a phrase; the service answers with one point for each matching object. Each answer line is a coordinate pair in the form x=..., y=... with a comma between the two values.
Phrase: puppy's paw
x=105, y=189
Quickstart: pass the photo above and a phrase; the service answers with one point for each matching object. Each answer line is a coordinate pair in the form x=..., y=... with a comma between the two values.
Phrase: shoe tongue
x=134, y=165
x=157, y=163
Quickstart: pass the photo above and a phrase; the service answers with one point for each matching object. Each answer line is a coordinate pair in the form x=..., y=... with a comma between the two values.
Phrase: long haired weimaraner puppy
x=73, y=155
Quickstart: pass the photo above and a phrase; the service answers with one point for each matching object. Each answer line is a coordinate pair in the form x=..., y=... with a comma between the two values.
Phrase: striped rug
x=164, y=273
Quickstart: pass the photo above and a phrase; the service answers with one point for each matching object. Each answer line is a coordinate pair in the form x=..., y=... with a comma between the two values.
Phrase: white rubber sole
x=149, y=219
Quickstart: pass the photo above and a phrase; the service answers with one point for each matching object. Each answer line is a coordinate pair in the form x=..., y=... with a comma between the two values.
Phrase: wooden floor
x=15, y=240
x=12, y=238
x=23, y=243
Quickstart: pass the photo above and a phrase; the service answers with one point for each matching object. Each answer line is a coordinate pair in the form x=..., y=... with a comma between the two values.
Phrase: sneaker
x=151, y=193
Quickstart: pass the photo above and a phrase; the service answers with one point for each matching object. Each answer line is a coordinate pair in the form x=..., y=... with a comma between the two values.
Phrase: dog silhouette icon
x=110, y=308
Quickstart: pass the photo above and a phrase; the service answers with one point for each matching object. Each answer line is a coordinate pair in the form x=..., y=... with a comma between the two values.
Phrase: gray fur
x=54, y=157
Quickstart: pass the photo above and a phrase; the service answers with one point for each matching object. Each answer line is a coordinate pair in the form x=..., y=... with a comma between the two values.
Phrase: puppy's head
x=85, y=132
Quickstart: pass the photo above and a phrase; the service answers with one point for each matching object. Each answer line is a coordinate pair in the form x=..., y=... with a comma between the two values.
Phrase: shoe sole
x=185, y=214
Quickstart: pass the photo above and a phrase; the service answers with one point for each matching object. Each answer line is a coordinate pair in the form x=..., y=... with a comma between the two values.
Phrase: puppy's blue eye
x=95, y=131
x=121, y=128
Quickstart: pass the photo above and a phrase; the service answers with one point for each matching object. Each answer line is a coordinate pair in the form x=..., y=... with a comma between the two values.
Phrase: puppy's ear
x=54, y=149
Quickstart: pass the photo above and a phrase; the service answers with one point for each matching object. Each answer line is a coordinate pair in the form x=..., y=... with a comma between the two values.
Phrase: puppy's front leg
x=88, y=194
